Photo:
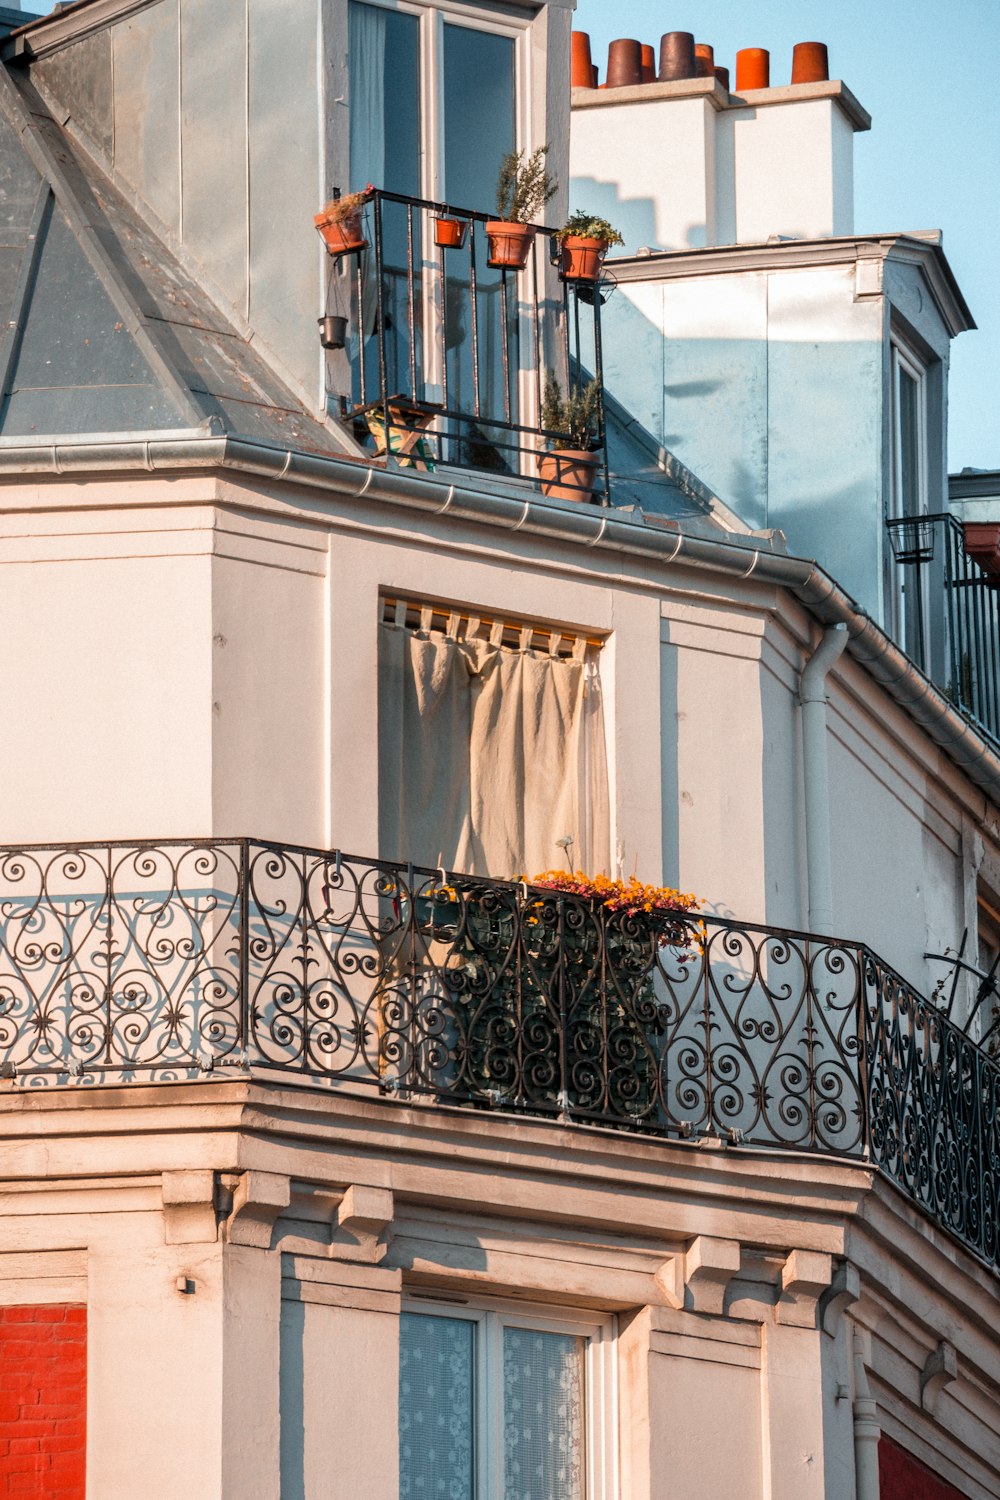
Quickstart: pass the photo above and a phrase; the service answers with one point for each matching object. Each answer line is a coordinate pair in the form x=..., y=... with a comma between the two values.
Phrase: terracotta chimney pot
x=648, y=65
x=753, y=69
x=704, y=60
x=810, y=63
x=624, y=63
x=676, y=56
x=722, y=74
x=582, y=66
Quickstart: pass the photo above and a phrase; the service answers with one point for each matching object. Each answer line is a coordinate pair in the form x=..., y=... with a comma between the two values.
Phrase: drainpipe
x=816, y=776
x=866, y=1433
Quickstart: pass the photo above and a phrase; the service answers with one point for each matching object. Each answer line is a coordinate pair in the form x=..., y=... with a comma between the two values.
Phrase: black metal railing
x=140, y=962
x=449, y=352
x=949, y=620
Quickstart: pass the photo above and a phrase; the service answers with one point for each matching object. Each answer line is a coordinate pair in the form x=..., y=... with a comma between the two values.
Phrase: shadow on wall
x=635, y=218
x=788, y=433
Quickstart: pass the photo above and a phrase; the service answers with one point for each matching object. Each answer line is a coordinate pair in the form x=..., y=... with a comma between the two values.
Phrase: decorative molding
x=258, y=1199
x=805, y=1276
x=843, y=1292
x=363, y=1216
x=698, y=1280
x=189, y=1216
x=940, y=1370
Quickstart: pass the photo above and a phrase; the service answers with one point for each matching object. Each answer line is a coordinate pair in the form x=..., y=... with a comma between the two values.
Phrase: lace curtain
x=444, y=1417
x=489, y=754
x=543, y=1436
x=436, y=1422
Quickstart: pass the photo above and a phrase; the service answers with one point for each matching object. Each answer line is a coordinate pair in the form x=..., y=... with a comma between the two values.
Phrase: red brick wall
x=901, y=1477
x=43, y=1403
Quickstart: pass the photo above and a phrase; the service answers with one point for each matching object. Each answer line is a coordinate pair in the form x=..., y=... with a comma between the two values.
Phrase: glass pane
x=478, y=99
x=478, y=105
x=384, y=69
x=543, y=1418
x=384, y=45
x=909, y=454
x=436, y=1394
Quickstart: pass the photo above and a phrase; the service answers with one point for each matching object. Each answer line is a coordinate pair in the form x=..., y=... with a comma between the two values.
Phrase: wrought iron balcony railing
x=449, y=352
x=156, y=962
x=948, y=614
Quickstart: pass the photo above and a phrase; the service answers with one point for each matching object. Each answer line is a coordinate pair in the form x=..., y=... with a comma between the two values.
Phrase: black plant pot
x=332, y=331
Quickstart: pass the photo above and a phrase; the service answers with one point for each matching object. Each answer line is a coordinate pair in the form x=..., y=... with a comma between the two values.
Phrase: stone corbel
x=699, y=1279
x=362, y=1218
x=258, y=1199
x=189, y=1216
x=844, y=1290
x=805, y=1276
x=940, y=1369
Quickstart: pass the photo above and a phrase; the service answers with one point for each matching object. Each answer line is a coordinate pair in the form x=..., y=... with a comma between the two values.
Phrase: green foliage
x=586, y=227
x=524, y=186
x=576, y=414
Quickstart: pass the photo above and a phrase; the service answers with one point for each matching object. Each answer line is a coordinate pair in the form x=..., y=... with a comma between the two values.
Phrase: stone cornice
x=922, y=251
x=712, y=91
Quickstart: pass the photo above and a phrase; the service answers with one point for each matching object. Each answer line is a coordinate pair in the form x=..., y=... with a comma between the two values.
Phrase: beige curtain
x=489, y=754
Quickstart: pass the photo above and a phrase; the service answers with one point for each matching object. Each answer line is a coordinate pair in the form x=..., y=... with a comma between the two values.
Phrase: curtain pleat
x=490, y=755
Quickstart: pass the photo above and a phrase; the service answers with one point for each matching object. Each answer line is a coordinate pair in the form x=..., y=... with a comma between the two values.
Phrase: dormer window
x=433, y=99
x=906, y=594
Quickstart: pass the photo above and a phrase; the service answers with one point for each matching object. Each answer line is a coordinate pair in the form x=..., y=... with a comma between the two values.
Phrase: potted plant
x=585, y=241
x=339, y=223
x=450, y=232
x=523, y=188
x=569, y=469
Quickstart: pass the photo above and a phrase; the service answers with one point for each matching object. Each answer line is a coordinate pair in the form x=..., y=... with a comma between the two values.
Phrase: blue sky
x=928, y=74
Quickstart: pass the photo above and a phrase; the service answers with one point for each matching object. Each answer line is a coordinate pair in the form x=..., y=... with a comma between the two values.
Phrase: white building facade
x=358, y=1165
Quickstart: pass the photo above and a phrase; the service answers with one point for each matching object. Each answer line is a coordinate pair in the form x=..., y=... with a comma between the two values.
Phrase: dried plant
x=576, y=414
x=524, y=186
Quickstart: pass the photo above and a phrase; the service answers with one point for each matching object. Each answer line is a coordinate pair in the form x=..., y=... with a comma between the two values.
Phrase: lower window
x=499, y=1404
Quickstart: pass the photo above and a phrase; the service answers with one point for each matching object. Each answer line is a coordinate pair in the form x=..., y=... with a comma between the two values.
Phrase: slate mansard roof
x=103, y=330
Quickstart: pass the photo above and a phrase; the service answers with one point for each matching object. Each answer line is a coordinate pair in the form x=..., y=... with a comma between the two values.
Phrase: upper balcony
x=164, y=962
x=453, y=337
x=945, y=612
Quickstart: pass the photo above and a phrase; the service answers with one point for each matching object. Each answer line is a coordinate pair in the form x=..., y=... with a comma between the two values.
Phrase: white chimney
x=681, y=165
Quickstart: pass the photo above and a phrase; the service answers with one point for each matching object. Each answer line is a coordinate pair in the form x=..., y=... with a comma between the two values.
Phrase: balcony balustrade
x=449, y=352
x=949, y=617
x=142, y=963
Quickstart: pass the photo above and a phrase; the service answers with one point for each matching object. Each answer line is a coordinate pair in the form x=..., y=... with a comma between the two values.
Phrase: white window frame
x=491, y=1316
x=433, y=15
x=903, y=361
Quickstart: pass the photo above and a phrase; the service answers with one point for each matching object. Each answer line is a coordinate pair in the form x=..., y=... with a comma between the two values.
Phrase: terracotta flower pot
x=810, y=62
x=450, y=233
x=340, y=236
x=510, y=244
x=568, y=473
x=753, y=69
x=582, y=257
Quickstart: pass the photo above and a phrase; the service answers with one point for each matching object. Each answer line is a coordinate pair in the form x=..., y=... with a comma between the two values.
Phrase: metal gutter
x=585, y=526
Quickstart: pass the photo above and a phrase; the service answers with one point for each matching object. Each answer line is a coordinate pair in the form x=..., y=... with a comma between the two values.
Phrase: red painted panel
x=43, y=1402
x=901, y=1477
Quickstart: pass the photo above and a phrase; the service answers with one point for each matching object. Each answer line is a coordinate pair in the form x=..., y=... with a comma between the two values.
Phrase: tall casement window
x=492, y=754
x=434, y=103
x=906, y=586
x=496, y=1404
